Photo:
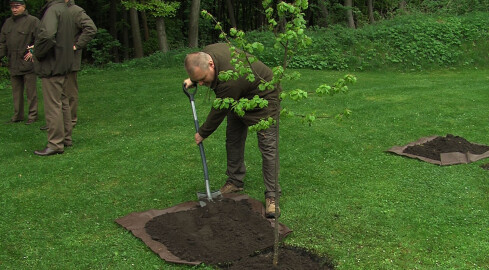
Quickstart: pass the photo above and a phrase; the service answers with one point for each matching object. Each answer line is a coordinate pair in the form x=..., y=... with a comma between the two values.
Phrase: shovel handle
x=190, y=94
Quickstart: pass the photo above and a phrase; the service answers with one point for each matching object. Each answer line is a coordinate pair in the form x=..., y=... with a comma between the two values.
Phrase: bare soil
x=229, y=235
x=448, y=144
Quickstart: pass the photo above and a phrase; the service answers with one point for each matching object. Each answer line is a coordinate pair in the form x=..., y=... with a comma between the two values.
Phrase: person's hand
x=198, y=138
x=28, y=57
x=74, y=47
x=188, y=83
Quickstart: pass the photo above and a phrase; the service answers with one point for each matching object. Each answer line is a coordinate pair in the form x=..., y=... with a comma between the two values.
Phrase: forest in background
x=349, y=29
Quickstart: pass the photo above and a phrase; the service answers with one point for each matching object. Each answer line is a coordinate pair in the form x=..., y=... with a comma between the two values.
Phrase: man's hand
x=28, y=55
x=198, y=138
x=188, y=83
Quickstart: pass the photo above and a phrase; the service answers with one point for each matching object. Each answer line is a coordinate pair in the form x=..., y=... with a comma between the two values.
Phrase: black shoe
x=30, y=121
x=44, y=128
x=13, y=121
x=48, y=152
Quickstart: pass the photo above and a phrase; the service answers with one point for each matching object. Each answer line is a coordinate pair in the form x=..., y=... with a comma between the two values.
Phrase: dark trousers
x=72, y=93
x=19, y=82
x=57, y=112
x=236, y=134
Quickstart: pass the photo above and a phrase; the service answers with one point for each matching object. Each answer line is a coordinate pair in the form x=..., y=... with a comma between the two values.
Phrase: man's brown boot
x=229, y=188
x=270, y=208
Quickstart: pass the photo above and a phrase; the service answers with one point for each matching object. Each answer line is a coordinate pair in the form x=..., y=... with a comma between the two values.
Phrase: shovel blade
x=203, y=197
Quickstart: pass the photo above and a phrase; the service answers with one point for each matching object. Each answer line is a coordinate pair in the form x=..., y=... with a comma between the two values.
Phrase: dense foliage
x=410, y=42
x=245, y=15
x=403, y=35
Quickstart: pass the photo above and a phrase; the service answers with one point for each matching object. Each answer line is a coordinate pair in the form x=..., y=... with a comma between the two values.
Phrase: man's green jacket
x=85, y=30
x=17, y=33
x=53, y=48
x=237, y=89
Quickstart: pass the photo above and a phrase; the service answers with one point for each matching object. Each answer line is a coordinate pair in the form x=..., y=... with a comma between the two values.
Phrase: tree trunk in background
x=161, y=30
x=402, y=5
x=136, y=34
x=232, y=19
x=193, y=31
x=371, y=11
x=349, y=13
x=144, y=21
x=113, y=27
x=323, y=20
x=125, y=34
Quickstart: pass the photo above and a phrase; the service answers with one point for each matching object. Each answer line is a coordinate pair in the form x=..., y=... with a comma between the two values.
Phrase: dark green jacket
x=18, y=32
x=236, y=89
x=85, y=31
x=53, y=48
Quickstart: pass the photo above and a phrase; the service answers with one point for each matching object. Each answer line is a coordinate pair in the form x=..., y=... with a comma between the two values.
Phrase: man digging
x=203, y=68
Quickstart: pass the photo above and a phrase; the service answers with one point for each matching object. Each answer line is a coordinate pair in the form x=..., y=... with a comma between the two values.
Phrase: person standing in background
x=85, y=31
x=54, y=57
x=17, y=35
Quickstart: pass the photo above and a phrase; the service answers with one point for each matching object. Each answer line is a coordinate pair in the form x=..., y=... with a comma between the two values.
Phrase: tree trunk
x=161, y=30
x=113, y=27
x=402, y=5
x=193, y=31
x=232, y=19
x=136, y=34
x=371, y=11
x=125, y=34
x=323, y=20
x=349, y=13
x=144, y=21
x=260, y=18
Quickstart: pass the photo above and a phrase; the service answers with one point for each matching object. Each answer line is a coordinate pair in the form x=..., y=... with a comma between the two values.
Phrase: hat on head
x=22, y=2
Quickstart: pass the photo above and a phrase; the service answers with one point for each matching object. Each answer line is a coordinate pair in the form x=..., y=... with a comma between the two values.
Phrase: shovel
x=208, y=195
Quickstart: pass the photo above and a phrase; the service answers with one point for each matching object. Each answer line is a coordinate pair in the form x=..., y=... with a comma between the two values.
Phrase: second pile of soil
x=448, y=144
x=228, y=234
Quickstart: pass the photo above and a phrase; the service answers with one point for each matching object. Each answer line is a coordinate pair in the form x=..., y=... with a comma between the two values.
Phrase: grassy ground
x=343, y=195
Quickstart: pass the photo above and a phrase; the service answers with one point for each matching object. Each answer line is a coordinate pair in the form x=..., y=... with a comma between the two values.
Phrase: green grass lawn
x=343, y=195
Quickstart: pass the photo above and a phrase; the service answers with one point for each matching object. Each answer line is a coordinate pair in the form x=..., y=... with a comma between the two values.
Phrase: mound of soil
x=225, y=233
x=434, y=148
x=289, y=258
x=220, y=232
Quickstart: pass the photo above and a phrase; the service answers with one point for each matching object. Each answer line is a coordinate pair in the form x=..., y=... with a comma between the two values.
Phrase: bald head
x=195, y=60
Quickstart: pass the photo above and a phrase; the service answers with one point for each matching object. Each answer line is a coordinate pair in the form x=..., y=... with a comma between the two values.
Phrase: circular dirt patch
x=228, y=234
x=432, y=149
x=289, y=258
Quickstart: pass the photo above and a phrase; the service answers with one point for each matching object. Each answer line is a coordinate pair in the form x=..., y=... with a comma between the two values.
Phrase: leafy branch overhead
x=287, y=23
x=157, y=8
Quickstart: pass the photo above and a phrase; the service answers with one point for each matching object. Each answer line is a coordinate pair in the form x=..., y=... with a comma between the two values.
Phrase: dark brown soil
x=290, y=258
x=225, y=233
x=448, y=144
x=485, y=166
